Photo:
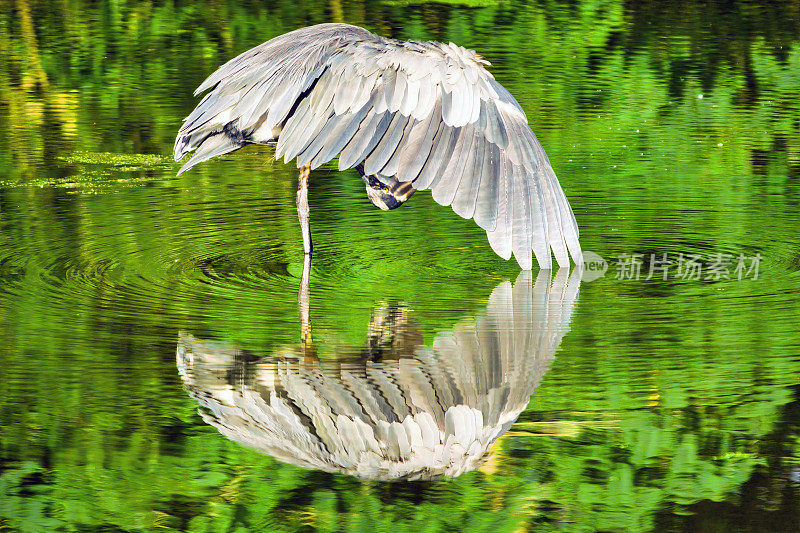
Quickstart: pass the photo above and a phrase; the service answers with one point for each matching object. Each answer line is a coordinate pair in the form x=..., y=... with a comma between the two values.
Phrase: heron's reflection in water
x=399, y=410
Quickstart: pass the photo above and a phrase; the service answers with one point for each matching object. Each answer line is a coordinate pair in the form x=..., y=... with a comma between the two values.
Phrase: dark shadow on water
x=767, y=502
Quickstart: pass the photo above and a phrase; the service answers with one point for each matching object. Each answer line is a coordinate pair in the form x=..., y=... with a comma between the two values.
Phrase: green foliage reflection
x=646, y=416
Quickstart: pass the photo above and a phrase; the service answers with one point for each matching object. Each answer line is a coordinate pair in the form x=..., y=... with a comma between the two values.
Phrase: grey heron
x=408, y=115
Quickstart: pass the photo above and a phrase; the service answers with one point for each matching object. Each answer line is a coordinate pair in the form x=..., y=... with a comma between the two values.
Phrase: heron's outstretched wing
x=423, y=112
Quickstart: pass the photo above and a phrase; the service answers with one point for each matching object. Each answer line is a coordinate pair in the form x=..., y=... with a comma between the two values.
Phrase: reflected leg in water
x=407, y=410
x=306, y=340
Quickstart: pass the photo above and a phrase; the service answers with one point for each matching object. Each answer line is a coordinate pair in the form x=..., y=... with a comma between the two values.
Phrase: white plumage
x=424, y=112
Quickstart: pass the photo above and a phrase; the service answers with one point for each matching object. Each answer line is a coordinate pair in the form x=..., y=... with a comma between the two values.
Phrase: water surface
x=655, y=405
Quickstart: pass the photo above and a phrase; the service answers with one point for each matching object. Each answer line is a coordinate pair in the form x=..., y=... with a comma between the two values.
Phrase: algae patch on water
x=98, y=171
x=127, y=161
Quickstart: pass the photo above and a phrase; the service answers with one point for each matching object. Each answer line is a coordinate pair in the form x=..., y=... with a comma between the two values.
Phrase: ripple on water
x=149, y=251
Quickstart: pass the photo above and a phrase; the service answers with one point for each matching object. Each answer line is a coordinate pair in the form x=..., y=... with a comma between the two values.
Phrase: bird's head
x=387, y=196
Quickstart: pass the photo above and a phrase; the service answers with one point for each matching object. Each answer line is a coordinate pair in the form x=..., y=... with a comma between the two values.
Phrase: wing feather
x=486, y=202
x=384, y=150
x=393, y=164
x=400, y=91
x=413, y=165
x=304, y=135
x=387, y=83
x=248, y=107
x=411, y=97
x=338, y=139
x=500, y=236
x=331, y=133
x=443, y=145
x=467, y=196
x=443, y=189
x=213, y=146
x=286, y=95
x=352, y=154
x=539, y=216
x=554, y=230
x=365, y=90
x=460, y=164
x=429, y=95
x=521, y=218
x=290, y=135
x=377, y=135
x=346, y=94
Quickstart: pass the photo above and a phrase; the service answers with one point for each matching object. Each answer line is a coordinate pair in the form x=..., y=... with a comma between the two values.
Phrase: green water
x=657, y=405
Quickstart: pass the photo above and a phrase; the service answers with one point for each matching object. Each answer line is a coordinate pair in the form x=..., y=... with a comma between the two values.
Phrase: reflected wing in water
x=426, y=413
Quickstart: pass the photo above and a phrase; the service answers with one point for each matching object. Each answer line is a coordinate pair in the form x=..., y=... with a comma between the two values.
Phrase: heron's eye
x=385, y=189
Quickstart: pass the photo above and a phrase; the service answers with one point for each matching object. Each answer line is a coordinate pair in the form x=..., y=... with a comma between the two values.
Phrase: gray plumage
x=397, y=410
x=422, y=112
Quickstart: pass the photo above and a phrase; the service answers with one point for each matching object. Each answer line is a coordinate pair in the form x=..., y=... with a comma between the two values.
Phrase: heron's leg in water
x=306, y=342
x=302, y=208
